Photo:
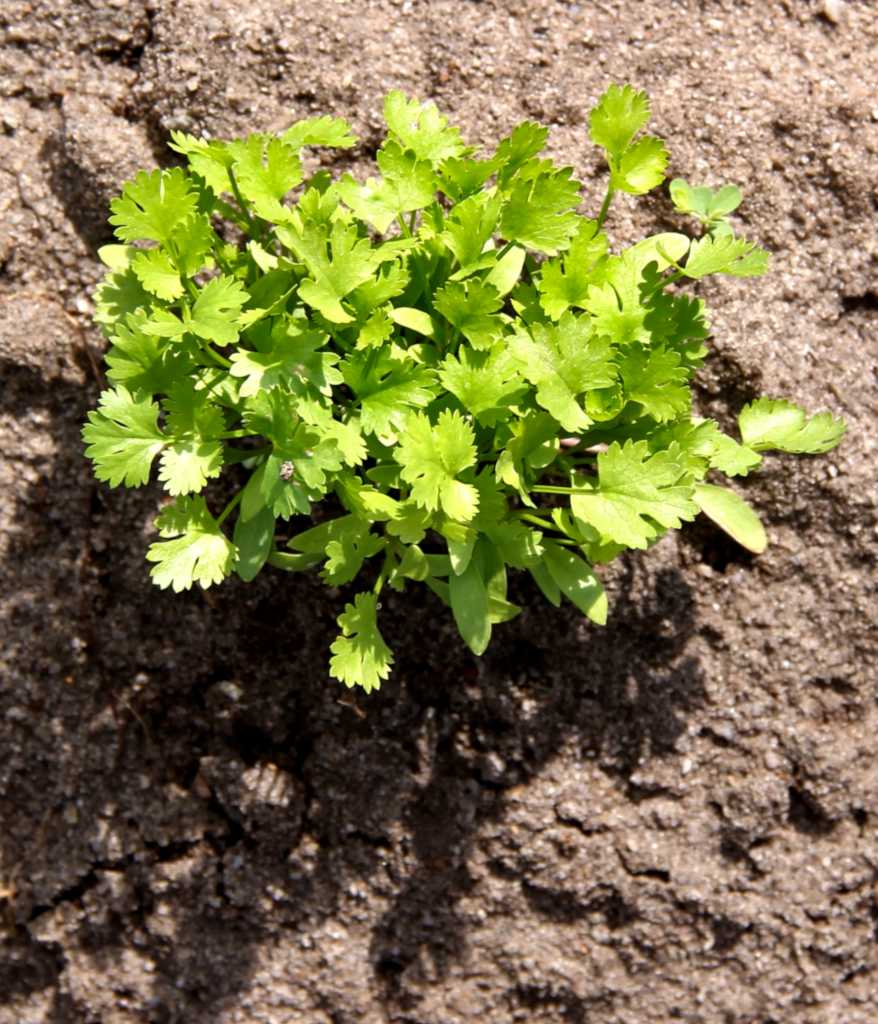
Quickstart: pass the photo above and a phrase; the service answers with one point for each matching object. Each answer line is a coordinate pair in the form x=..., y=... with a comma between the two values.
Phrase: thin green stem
x=550, y=489
x=403, y=227
x=229, y=434
x=215, y=356
x=233, y=504
x=506, y=248
x=251, y=224
x=605, y=209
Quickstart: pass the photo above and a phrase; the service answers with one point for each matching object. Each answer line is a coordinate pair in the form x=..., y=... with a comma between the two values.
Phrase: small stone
x=833, y=10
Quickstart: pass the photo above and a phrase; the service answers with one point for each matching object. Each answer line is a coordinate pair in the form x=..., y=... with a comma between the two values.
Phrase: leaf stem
x=236, y=433
x=230, y=507
x=605, y=208
x=245, y=209
x=215, y=356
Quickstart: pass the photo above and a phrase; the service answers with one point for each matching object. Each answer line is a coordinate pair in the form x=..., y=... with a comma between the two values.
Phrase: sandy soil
x=675, y=818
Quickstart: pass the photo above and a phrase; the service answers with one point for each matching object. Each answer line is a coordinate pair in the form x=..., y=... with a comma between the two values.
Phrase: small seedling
x=443, y=370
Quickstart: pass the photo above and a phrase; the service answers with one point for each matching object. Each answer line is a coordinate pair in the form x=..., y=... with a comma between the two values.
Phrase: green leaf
x=776, y=423
x=266, y=169
x=320, y=131
x=432, y=457
x=705, y=203
x=210, y=160
x=634, y=491
x=577, y=581
x=216, y=310
x=518, y=149
x=157, y=274
x=416, y=320
x=337, y=263
x=152, y=206
x=532, y=445
x=421, y=128
x=620, y=113
x=471, y=225
x=198, y=551
x=387, y=390
x=641, y=167
x=725, y=255
x=118, y=295
x=348, y=549
x=470, y=607
x=123, y=437
x=472, y=307
x=655, y=379
x=564, y=281
x=142, y=362
x=563, y=361
x=194, y=453
x=406, y=184
x=485, y=383
x=253, y=538
x=539, y=213
x=733, y=515
x=293, y=357
x=360, y=655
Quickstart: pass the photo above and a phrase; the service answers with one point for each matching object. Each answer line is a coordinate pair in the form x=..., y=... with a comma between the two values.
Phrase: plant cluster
x=443, y=368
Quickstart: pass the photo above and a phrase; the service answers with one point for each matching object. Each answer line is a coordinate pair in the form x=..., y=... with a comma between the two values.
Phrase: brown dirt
x=675, y=818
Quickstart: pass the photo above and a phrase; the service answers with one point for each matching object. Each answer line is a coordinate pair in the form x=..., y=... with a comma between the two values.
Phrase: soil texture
x=671, y=819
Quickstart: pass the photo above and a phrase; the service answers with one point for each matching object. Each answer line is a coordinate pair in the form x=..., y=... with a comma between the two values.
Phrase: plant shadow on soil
x=421, y=765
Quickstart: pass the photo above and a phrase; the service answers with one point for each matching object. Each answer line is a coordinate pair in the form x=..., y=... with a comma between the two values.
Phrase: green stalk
x=233, y=504
x=605, y=209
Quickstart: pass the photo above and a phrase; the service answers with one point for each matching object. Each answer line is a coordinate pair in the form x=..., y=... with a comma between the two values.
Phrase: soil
x=671, y=819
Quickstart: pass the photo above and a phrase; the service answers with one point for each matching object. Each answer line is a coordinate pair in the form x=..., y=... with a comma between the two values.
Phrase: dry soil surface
x=672, y=819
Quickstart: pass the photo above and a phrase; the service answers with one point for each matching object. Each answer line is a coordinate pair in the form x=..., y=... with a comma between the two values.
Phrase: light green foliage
x=446, y=365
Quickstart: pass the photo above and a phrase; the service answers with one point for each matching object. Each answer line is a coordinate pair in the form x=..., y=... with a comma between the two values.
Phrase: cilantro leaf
x=320, y=131
x=706, y=204
x=406, y=184
x=776, y=423
x=485, y=383
x=265, y=170
x=432, y=457
x=731, y=513
x=387, y=390
x=210, y=160
x=471, y=225
x=641, y=167
x=564, y=281
x=291, y=356
x=194, y=453
x=564, y=361
x=634, y=491
x=472, y=307
x=577, y=581
x=216, y=310
x=518, y=149
x=539, y=213
x=337, y=263
x=143, y=362
x=152, y=206
x=725, y=255
x=198, y=551
x=620, y=113
x=655, y=379
x=360, y=657
x=421, y=128
x=532, y=445
x=154, y=270
x=123, y=437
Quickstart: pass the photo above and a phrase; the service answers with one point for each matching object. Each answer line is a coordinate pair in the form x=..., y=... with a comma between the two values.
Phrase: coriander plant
x=443, y=369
